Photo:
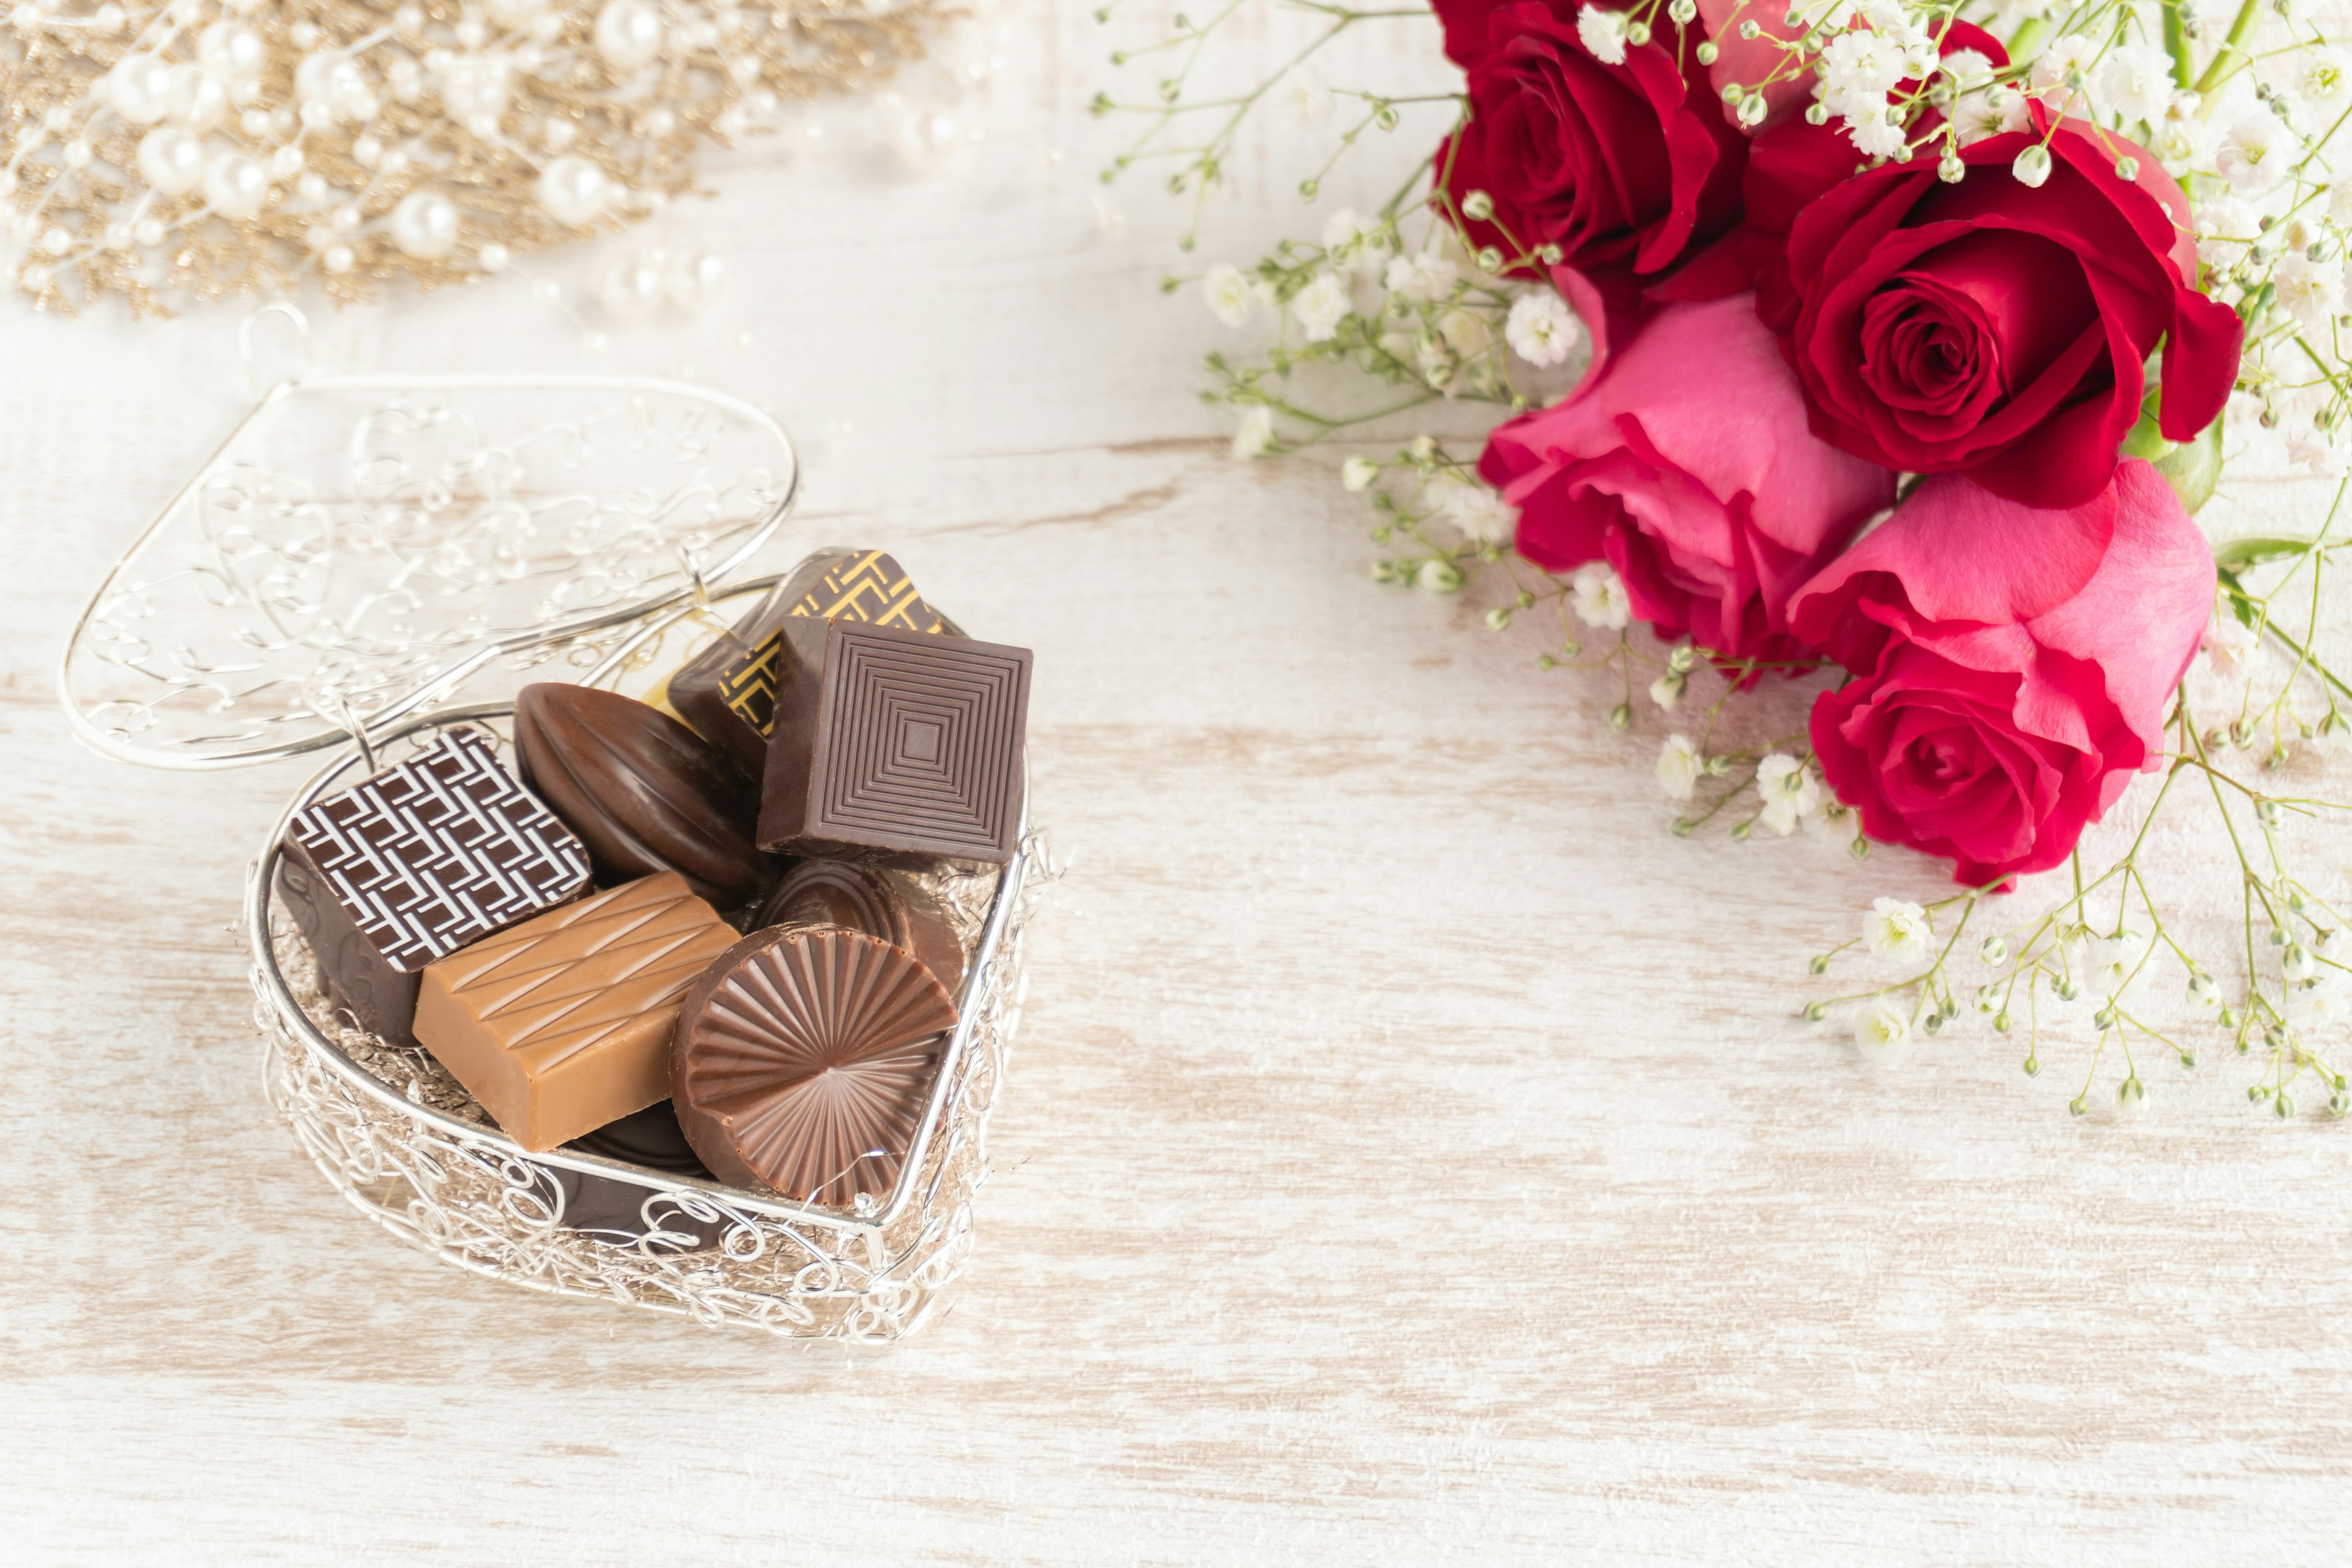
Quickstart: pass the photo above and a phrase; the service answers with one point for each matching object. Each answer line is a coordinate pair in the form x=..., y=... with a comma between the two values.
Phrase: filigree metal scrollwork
x=365, y=545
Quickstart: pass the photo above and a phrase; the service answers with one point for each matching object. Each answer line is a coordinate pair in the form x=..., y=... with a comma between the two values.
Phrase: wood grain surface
x=1411, y=1156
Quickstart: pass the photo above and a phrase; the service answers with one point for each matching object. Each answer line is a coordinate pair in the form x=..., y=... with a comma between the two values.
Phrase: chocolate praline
x=880, y=900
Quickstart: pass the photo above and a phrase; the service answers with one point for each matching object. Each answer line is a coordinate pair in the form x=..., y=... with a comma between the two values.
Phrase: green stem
x=2176, y=43
x=2249, y=13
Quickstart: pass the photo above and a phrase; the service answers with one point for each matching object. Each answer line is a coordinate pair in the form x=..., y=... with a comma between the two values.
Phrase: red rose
x=1999, y=329
x=1627, y=168
x=2010, y=666
x=1684, y=461
x=1793, y=161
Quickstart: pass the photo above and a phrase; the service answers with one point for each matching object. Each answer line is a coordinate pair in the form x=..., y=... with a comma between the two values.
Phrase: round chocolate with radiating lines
x=803, y=1059
x=644, y=793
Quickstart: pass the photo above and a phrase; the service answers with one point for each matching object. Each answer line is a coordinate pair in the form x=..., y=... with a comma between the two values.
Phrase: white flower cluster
x=1429, y=314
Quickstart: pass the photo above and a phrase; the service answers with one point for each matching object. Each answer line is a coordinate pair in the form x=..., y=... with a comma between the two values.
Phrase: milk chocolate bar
x=562, y=1024
x=902, y=742
x=803, y=1060
x=728, y=691
x=644, y=792
x=413, y=863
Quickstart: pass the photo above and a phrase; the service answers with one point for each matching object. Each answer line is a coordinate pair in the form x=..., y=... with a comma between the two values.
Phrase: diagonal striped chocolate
x=437, y=852
x=562, y=1024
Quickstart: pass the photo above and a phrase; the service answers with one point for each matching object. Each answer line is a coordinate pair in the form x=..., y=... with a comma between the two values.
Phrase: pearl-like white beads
x=236, y=186
x=574, y=190
x=424, y=225
x=138, y=89
x=628, y=34
x=171, y=161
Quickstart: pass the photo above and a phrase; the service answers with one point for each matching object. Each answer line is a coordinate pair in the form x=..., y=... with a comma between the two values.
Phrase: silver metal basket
x=360, y=552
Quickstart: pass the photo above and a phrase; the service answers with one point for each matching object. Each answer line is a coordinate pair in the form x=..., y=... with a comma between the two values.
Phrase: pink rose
x=2010, y=666
x=1685, y=461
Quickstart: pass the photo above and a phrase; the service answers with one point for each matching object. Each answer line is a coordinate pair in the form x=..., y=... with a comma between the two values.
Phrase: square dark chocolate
x=914, y=744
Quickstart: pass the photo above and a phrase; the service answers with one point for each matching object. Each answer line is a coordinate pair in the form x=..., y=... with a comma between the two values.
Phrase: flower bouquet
x=1891, y=349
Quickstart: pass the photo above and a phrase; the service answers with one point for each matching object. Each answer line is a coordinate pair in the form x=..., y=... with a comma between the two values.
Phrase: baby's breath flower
x=2227, y=641
x=1858, y=68
x=2203, y=991
x=2320, y=1001
x=2225, y=227
x=1423, y=278
x=1438, y=575
x=1599, y=598
x=2059, y=59
x=1321, y=306
x=1465, y=332
x=2311, y=291
x=1882, y=1032
x=1305, y=98
x=1358, y=473
x=2256, y=151
x=1989, y=113
x=1350, y=241
x=2110, y=964
x=1787, y=790
x=1255, y=437
x=1540, y=329
x=1680, y=767
x=2183, y=139
x=2308, y=452
x=1228, y=294
x=2322, y=80
x=1602, y=34
x=1896, y=928
x=1482, y=516
x=2137, y=82
x=1667, y=691
x=1965, y=67
x=1876, y=133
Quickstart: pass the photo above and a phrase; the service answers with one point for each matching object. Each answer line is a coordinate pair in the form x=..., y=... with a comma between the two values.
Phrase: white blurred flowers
x=1540, y=329
x=1896, y=928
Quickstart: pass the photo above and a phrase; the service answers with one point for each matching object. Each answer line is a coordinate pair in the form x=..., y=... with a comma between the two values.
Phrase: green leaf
x=2239, y=553
x=2193, y=468
x=2241, y=605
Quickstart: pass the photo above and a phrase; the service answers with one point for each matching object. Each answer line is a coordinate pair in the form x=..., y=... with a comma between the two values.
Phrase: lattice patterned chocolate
x=439, y=851
x=868, y=588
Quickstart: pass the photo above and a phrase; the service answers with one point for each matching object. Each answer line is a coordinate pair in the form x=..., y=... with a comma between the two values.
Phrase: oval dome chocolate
x=644, y=792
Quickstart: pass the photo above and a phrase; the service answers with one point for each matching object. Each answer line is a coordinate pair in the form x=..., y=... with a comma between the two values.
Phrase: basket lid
x=361, y=547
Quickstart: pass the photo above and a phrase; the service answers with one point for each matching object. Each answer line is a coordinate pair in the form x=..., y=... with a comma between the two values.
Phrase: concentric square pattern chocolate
x=915, y=746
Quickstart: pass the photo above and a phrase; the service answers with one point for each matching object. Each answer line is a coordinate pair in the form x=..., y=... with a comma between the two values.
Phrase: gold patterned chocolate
x=562, y=1024
x=727, y=693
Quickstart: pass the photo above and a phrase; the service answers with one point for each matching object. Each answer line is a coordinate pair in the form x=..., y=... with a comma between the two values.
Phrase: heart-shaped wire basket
x=359, y=554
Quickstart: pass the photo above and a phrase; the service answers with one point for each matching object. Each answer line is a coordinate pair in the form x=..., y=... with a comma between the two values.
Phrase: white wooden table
x=1412, y=1156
